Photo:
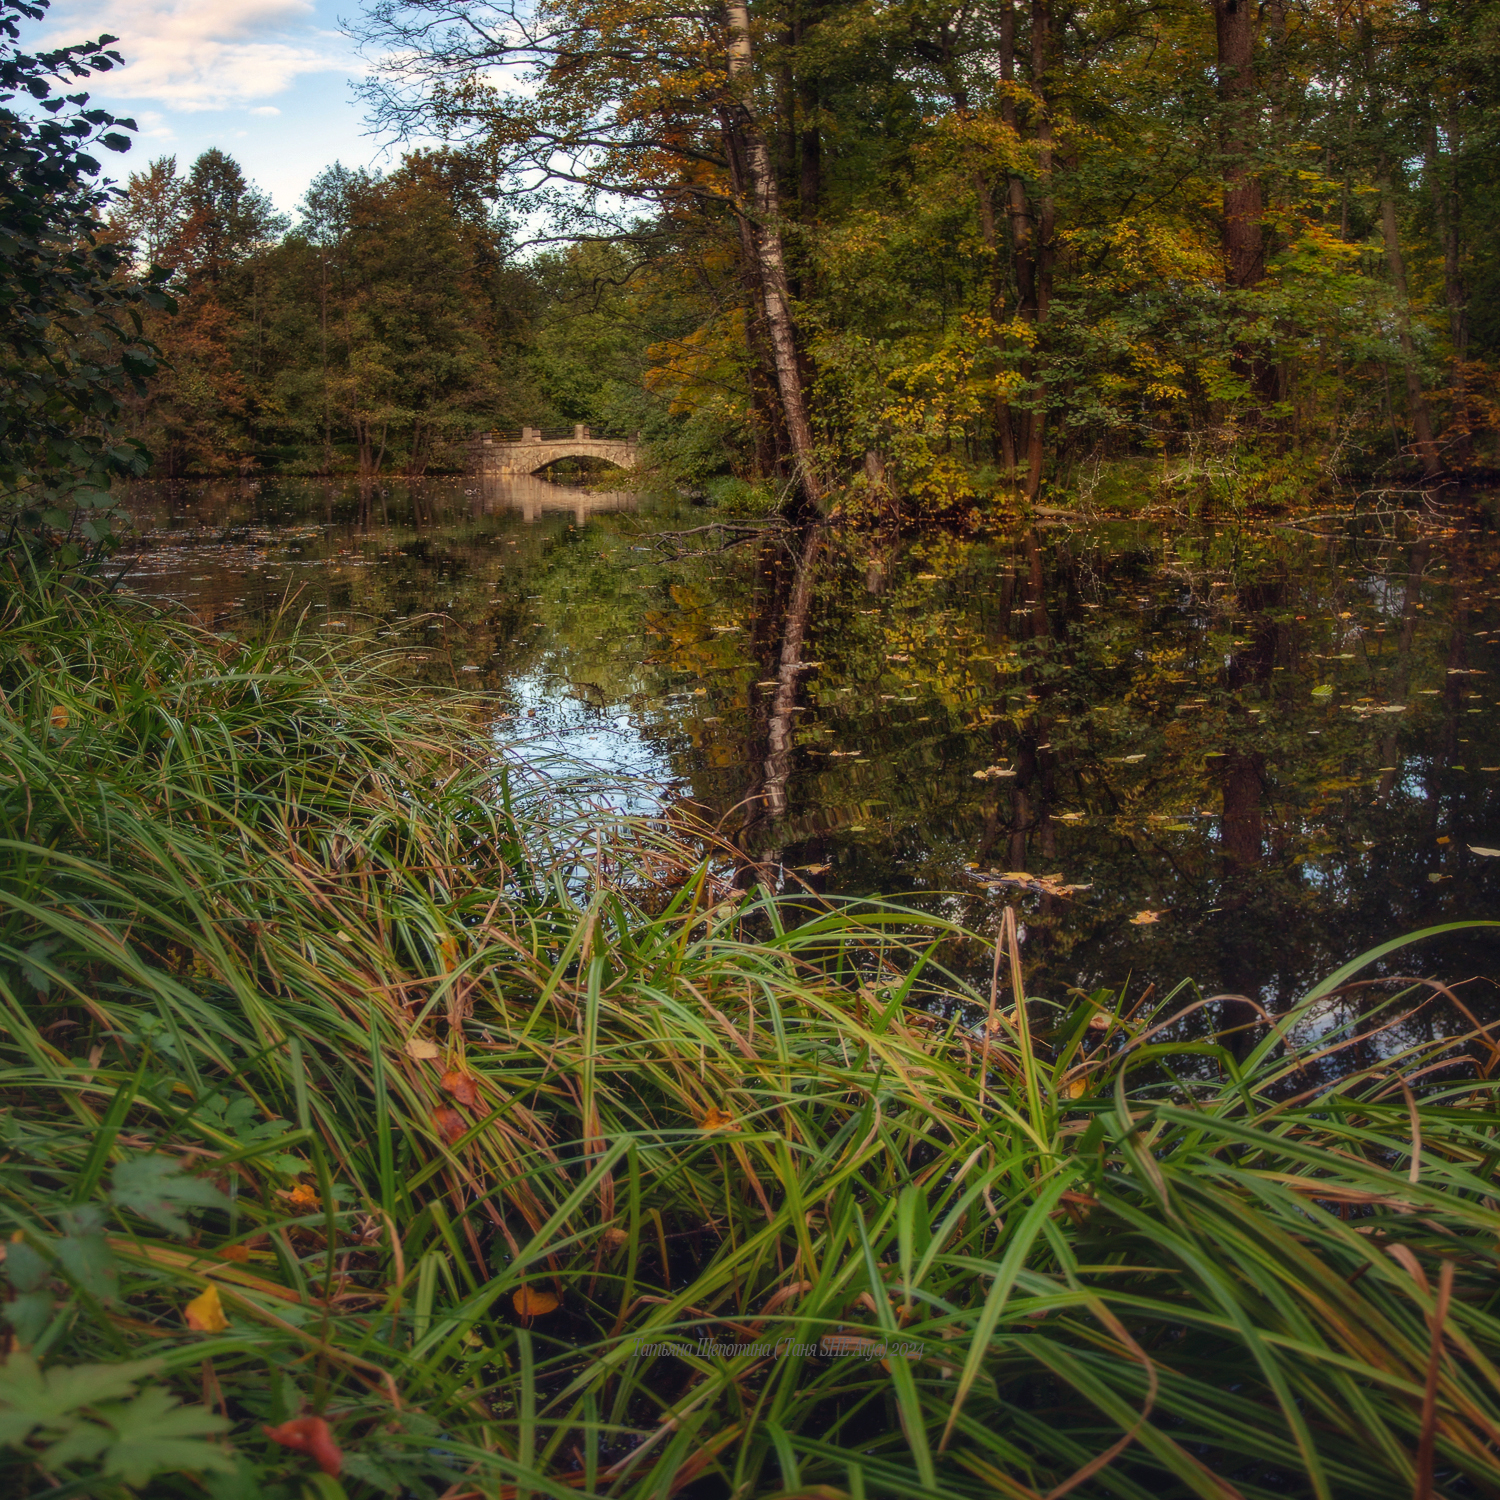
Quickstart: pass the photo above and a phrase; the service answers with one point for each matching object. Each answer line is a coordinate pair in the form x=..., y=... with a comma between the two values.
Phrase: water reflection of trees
x=1151, y=696
x=1162, y=739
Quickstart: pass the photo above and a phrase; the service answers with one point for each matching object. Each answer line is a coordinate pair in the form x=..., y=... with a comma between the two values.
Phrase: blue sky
x=268, y=81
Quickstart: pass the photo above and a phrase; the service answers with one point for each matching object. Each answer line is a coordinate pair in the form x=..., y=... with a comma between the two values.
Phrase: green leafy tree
x=72, y=340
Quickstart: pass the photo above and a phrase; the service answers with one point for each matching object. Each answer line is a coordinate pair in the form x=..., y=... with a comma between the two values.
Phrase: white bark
x=765, y=212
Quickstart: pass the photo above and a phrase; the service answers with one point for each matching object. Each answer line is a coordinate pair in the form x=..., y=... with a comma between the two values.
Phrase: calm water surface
x=1258, y=749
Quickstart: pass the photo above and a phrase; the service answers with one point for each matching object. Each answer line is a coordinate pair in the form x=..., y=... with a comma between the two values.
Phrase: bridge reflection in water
x=535, y=497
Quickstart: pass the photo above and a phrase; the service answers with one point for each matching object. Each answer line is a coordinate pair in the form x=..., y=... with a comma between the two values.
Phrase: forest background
x=903, y=254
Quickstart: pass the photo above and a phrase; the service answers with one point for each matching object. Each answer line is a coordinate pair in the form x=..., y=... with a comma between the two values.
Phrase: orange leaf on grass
x=449, y=1123
x=532, y=1303
x=462, y=1087
x=716, y=1119
x=310, y=1435
x=58, y=717
x=206, y=1313
x=233, y=1252
x=303, y=1195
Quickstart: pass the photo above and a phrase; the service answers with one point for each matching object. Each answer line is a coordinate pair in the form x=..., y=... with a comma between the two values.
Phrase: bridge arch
x=502, y=453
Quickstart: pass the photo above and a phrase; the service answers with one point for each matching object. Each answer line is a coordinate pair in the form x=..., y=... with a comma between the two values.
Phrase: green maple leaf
x=154, y=1434
x=156, y=1187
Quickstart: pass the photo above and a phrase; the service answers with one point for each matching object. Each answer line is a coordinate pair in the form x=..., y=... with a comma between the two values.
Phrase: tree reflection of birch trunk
x=780, y=626
x=780, y=728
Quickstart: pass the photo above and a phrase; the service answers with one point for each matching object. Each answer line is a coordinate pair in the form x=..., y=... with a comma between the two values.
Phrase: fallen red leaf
x=310, y=1435
x=449, y=1123
x=461, y=1086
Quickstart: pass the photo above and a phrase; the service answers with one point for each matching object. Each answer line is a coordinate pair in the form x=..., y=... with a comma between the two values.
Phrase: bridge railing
x=577, y=433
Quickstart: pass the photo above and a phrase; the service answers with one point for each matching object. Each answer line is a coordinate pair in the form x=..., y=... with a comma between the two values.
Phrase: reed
x=355, y=1074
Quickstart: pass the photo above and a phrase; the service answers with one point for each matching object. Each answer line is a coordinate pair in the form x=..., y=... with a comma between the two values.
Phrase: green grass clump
x=376, y=1120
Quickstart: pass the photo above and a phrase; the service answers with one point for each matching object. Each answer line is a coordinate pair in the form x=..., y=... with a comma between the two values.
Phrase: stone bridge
x=500, y=453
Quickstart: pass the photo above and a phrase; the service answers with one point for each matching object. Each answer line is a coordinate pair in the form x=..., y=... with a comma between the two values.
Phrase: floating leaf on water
x=1043, y=885
x=1324, y=690
x=421, y=1050
x=1436, y=876
x=1178, y=828
x=815, y=869
x=992, y=773
x=1483, y=852
x=532, y=1302
x=1145, y=918
x=1099, y=1021
x=1076, y=1088
x=205, y=1312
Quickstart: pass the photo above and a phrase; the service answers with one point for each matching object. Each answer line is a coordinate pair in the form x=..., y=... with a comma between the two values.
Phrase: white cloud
x=265, y=109
x=204, y=54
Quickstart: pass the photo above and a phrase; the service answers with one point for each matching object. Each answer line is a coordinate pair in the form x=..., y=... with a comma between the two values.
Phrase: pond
x=1233, y=753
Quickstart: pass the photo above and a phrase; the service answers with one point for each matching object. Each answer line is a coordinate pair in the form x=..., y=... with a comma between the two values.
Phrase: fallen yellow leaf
x=303, y=1195
x=59, y=716
x=531, y=1303
x=205, y=1312
x=420, y=1049
x=1145, y=918
x=715, y=1119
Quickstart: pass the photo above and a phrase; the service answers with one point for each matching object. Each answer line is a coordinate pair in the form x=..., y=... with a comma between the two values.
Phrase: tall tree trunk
x=768, y=423
x=810, y=173
x=1416, y=401
x=770, y=260
x=1020, y=221
x=1041, y=40
x=1442, y=183
x=1244, y=248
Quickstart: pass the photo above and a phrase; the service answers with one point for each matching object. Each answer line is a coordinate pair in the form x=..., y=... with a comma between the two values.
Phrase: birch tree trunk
x=766, y=238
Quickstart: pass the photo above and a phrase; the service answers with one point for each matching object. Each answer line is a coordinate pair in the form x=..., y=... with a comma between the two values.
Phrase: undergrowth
x=377, y=1119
